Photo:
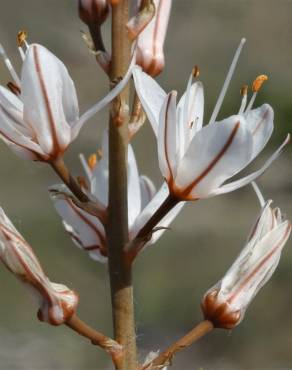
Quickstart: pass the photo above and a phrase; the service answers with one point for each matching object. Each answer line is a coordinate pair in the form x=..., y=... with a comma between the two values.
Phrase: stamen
x=258, y=82
x=227, y=81
x=258, y=193
x=21, y=38
x=243, y=92
x=21, y=52
x=9, y=66
x=92, y=161
x=256, y=86
x=195, y=71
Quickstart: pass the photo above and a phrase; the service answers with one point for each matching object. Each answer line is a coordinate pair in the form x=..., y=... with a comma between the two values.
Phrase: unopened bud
x=150, y=55
x=258, y=82
x=93, y=11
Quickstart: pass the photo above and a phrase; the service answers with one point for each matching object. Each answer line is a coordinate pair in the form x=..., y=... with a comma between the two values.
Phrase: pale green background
x=172, y=276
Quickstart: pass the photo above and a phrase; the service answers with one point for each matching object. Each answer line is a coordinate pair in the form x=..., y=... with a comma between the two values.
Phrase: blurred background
x=172, y=276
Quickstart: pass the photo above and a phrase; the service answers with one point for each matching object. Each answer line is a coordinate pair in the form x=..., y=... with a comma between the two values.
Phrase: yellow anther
x=244, y=90
x=21, y=37
x=92, y=160
x=257, y=84
x=196, y=71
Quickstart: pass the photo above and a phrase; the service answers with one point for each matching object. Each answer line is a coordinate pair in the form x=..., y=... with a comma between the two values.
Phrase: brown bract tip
x=21, y=37
x=218, y=312
x=196, y=71
x=244, y=90
x=258, y=82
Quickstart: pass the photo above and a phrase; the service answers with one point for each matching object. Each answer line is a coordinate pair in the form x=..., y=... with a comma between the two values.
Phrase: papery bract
x=57, y=302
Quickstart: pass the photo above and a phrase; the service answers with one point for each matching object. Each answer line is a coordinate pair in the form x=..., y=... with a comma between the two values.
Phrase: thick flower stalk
x=57, y=303
x=225, y=303
x=150, y=54
x=39, y=118
x=87, y=231
x=196, y=160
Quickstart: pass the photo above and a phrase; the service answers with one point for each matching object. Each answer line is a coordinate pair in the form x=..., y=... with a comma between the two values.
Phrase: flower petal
x=148, y=190
x=86, y=231
x=249, y=178
x=260, y=122
x=217, y=152
x=191, y=111
x=134, y=191
x=167, y=138
x=151, y=95
x=49, y=98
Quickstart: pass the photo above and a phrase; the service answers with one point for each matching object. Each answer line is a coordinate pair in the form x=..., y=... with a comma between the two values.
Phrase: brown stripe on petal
x=170, y=179
x=103, y=248
x=260, y=123
x=264, y=260
x=52, y=124
x=185, y=193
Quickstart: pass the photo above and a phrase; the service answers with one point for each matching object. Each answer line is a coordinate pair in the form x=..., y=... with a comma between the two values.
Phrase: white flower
x=57, y=302
x=88, y=231
x=194, y=159
x=150, y=55
x=226, y=302
x=40, y=118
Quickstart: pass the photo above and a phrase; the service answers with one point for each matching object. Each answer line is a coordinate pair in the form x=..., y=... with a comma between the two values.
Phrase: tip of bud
x=196, y=71
x=258, y=82
x=243, y=41
x=244, y=90
x=91, y=161
x=21, y=37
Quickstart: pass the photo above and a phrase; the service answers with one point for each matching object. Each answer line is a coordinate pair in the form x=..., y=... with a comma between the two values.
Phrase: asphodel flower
x=87, y=231
x=150, y=54
x=225, y=303
x=196, y=160
x=39, y=117
x=57, y=303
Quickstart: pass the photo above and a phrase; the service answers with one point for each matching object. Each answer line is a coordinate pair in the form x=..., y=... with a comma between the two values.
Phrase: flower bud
x=57, y=303
x=225, y=304
x=93, y=11
x=150, y=55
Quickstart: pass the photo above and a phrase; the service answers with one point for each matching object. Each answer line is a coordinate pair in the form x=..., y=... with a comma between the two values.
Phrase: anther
x=21, y=38
x=243, y=93
x=195, y=71
x=258, y=82
x=92, y=161
x=244, y=90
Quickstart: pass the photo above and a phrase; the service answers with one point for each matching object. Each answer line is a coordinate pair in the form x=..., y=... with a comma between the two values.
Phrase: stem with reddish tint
x=191, y=337
x=146, y=231
x=109, y=345
x=117, y=227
